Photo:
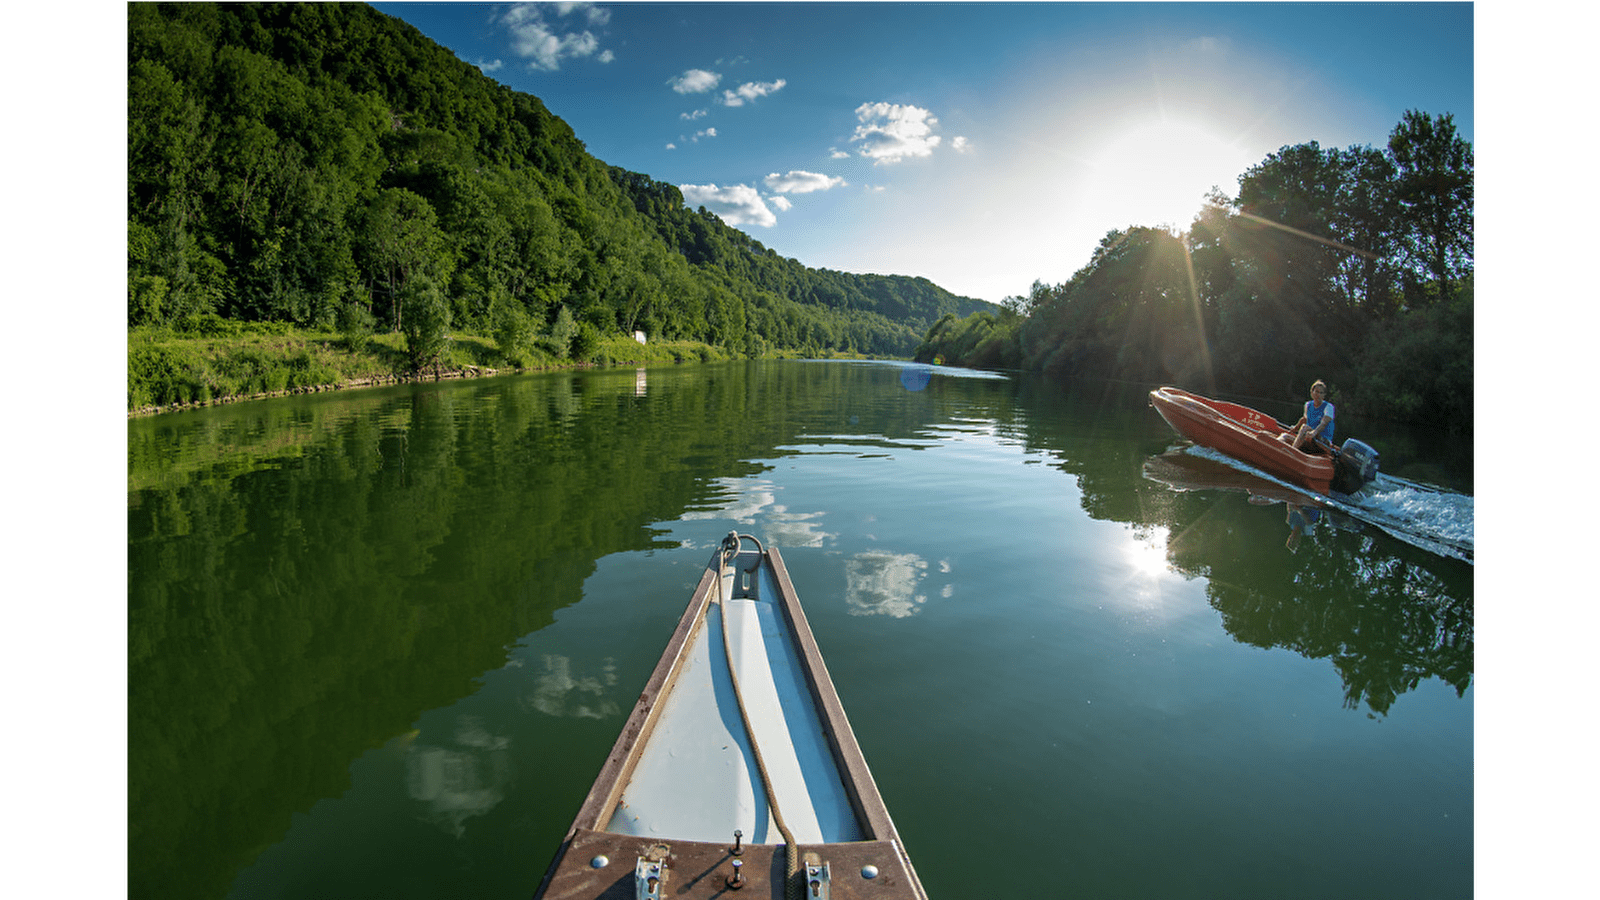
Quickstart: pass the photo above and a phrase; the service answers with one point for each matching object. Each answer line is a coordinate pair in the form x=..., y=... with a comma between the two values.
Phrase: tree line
x=1354, y=266
x=329, y=166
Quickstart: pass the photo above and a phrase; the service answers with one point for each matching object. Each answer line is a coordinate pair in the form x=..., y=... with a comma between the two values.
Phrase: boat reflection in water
x=1182, y=471
x=1386, y=620
x=1300, y=519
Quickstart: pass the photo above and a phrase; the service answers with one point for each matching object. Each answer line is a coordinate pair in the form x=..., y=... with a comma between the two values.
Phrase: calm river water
x=380, y=642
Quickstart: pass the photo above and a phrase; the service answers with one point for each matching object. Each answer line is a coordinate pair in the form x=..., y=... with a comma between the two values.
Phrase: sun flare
x=1146, y=553
x=1158, y=173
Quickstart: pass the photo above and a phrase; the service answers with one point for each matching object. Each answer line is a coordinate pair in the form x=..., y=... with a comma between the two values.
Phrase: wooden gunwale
x=614, y=775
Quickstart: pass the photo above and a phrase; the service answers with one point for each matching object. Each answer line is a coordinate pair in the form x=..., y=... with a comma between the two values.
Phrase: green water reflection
x=378, y=643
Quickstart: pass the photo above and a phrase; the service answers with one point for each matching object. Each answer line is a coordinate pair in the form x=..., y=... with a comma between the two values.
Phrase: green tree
x=290, y=160
x=400, y=239
x=427, y=321
x=585, y=341
x=1365, y=217
x=1434, y=193
x=513, y=327
x=562, y=333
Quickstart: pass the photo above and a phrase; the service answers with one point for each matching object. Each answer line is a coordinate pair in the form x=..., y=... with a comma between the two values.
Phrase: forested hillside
x=328, y=166
x=1354, y=266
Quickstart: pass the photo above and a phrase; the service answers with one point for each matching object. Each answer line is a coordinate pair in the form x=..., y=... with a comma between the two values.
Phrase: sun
x=1158, y=172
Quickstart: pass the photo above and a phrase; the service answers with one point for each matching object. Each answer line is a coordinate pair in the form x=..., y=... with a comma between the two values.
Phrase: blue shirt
x=1314, y=414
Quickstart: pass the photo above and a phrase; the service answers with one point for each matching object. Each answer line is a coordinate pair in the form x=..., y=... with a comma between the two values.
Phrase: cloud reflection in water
x=463, y=781
x=556, y=692
x=881, y=583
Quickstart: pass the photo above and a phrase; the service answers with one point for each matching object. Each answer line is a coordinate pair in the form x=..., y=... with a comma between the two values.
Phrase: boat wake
x=1422, y=515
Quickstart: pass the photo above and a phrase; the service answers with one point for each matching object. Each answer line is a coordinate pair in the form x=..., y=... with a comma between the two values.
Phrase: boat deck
x=697, y=777
x=683, y=776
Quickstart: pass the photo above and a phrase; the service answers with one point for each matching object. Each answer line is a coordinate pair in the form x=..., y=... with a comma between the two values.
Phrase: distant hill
x=328, y=165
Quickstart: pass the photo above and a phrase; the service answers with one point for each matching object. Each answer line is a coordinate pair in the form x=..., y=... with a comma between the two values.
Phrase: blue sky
x=983, y=146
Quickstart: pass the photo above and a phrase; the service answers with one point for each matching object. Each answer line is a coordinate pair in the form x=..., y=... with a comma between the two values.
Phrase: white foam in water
x=1422, y=515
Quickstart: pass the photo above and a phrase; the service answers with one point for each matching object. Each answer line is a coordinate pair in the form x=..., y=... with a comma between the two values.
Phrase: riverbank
x=169, y=371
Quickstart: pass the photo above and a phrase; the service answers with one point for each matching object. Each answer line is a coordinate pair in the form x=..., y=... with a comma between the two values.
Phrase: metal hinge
x=817, y=877
x=648, y=874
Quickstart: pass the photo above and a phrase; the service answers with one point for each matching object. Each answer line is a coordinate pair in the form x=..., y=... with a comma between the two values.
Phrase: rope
x=791, y=851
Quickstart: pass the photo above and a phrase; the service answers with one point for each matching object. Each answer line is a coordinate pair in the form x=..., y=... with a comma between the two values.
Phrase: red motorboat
x=1257, y=439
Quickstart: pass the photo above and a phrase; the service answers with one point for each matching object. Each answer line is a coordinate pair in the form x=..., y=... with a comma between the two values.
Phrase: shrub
x=355, y=322
x=585, y=341
x=563, y=332
x=425, y=319
x=145, y=296
x=1419, y=367
x=154, y=374
x=513, y=329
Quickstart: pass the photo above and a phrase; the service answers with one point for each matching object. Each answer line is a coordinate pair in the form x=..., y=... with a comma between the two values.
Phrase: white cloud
x=691, y=116
x=799, y=182
x=960, y=145
x=693, y=138
x=781, y=203
x=751, y=90
x=890, y=132
x=545, y=44
x=597, y=15
x=488, y=67
x=694, y=81
x=738, y=204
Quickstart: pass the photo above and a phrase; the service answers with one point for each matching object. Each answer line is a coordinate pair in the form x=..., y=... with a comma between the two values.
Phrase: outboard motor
x=1355, y=467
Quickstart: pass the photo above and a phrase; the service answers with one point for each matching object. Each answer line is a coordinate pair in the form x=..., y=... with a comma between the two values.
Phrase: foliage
x=305, y=163
x=1354, y=266
x=562, y=332
x=1433, y=188
x=981, y=340
x=427, y=318
x=1418, y=366
x=167, y=368
x=327, y=166
x=585, y=342
x=513, y=328
x=356, y=322
x=145, y=296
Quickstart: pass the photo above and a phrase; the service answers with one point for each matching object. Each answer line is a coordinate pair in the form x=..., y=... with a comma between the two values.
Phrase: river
x=380, y=642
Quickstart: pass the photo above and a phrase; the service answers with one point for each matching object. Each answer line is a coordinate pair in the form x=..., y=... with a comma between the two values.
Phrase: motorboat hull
x=1246, y=434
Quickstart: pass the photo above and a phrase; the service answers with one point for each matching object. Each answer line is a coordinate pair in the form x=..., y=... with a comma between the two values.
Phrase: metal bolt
x=869, y=871
x=600, y=862
x=737, y=850
x=736, y=880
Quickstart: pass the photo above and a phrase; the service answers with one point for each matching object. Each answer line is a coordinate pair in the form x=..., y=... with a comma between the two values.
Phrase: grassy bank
x=231, y=361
